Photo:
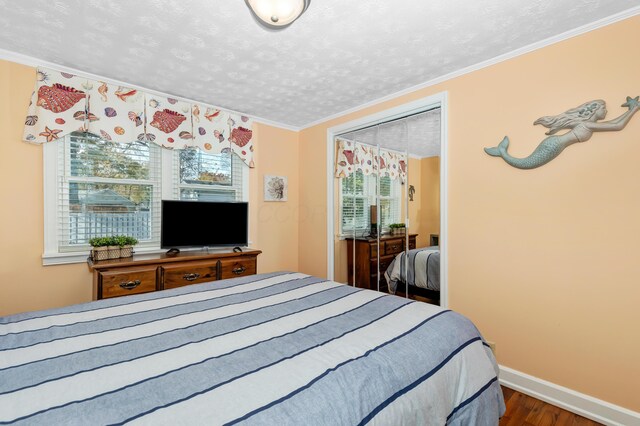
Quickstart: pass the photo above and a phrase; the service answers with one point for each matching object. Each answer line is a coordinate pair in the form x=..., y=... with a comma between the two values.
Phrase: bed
x=419, y=268
x=279, y=348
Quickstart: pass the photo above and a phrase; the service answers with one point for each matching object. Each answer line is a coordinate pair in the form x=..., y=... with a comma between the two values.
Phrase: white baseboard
x=570, y=400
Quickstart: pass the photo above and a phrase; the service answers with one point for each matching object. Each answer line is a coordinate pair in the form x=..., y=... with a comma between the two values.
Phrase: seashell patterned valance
x=63, y=103
x=353, y=156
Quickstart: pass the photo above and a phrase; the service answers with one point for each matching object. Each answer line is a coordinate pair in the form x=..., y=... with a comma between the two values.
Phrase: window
x=208, y=177
x=358, y=193
x=107, y=188
x=95, y=187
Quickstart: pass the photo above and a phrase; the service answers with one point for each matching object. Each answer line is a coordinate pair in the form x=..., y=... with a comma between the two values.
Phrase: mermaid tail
x=548, y=149
x=497, y=151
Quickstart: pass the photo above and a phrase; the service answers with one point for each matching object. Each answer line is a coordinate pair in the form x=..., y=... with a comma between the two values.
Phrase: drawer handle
x=395, y=247
x=191, y=277
x=130, y=285
x=239, y=270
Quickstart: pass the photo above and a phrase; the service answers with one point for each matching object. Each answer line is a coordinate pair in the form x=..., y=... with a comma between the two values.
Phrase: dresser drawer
x=124, y=282
x=384, y=263
x=373, y=249
x=394, y=246
x=231, y=268
x=189, y=273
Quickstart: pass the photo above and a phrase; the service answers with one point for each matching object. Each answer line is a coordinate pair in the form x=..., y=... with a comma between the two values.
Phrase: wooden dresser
x=366, y=258
x=153, y=272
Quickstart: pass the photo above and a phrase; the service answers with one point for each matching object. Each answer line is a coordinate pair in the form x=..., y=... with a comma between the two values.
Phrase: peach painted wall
x=26, y=285
x=545, y=261
x=424, y=210
x=430, y=201
x=276, y=223
x=416, y=226
x=312, y=243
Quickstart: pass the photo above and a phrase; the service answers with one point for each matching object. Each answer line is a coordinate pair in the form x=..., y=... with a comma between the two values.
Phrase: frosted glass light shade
x=277, y=14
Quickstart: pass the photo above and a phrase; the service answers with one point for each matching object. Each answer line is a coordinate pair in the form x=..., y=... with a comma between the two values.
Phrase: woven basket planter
x=100, y=253
x=114, y=252
x=126, y=251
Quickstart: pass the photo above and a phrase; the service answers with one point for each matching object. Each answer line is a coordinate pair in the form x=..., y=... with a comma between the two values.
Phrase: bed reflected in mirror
x=416, y=272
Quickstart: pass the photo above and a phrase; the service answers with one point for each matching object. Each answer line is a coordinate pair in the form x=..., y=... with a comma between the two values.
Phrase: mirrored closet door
x=387, y=206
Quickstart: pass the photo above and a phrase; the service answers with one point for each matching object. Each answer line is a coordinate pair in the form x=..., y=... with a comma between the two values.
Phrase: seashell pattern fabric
x=167, y=118
x=58, y=98
x=63, y=103
x=353, y=156
x=216, y=131
x=55, y=104
x=241, y=137
x=112, y=114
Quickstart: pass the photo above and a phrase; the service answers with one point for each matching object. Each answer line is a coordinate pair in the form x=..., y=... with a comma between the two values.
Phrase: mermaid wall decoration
x=581, y=121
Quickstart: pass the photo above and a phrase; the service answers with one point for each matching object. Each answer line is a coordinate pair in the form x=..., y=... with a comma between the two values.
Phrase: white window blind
x=358, y=193
x=200, y=176
x=354, y=206
x=107, y=188
x=389, y=201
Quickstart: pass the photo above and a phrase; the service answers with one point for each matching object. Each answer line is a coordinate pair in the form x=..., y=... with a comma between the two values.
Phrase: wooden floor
x=523, y=410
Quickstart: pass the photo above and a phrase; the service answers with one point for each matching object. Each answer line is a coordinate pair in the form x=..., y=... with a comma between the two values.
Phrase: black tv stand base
x=173, y=251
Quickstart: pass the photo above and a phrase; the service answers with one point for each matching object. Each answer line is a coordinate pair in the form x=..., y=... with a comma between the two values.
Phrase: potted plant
x=126, y=244
x=114, y=248
x=100, y=249
x=397, y=228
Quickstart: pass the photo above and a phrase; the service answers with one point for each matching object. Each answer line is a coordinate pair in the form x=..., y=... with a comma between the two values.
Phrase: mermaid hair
x=570, y=118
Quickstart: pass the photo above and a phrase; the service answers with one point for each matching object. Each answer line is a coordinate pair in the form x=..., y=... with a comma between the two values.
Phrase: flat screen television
x=204, y=224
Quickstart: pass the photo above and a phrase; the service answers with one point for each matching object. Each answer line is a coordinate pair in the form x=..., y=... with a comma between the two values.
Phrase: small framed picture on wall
x=275, y=188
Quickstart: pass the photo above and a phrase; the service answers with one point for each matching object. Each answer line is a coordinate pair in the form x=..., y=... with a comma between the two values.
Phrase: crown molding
x=35, y=62
x=484, y=64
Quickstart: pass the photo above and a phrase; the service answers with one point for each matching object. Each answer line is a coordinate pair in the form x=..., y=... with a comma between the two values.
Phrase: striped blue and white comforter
x=281, y=348
x=418, y=267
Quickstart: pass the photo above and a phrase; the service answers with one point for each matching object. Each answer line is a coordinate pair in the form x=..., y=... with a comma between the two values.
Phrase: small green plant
x=116, y=240
x=126, y=240
x=100, y=241
x=119, y=240
x=397, y=225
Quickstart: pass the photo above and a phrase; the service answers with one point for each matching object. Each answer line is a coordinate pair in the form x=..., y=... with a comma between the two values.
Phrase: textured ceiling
x=338, y=55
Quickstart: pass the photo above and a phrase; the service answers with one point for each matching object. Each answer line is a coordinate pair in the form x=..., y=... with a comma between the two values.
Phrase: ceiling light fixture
x=277, y=14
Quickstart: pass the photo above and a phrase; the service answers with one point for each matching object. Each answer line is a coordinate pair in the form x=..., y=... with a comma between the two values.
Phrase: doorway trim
x=429, y=102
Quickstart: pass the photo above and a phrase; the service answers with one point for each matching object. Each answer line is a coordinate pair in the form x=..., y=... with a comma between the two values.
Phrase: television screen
x=204, y=224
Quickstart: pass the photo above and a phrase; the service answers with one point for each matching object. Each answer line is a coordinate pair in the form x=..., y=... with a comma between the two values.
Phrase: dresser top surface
x=156, y=258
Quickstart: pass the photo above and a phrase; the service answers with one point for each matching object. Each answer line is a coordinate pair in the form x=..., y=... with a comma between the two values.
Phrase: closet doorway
x=384, y=171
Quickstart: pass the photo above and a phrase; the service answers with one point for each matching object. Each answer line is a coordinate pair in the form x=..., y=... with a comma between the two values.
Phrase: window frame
x=369, y=193
x=236, y=164
x=51, y=176
x=153, y=181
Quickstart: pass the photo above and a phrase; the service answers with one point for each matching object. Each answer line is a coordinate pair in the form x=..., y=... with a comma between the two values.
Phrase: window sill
x=52, y=259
